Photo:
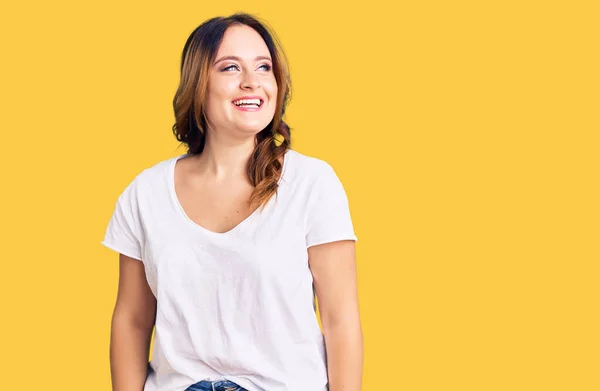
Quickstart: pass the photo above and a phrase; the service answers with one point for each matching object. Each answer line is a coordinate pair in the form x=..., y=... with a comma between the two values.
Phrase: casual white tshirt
x=237, y=305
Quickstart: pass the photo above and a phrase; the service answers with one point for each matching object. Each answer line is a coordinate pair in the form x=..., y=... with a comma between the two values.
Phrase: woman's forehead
x=243, y=42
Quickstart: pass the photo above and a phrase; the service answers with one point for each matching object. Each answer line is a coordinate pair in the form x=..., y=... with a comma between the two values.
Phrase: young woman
x=224, y=248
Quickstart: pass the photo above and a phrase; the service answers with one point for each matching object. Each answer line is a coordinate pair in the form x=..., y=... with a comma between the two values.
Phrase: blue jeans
x=215, y=385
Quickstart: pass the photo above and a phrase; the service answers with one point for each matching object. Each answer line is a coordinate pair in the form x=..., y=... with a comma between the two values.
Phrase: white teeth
x=247, y=102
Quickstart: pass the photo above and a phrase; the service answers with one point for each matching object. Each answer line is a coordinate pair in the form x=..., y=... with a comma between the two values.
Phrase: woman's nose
x=249, y=82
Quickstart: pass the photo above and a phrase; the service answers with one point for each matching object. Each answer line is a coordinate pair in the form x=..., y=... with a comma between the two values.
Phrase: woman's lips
x=248, y=108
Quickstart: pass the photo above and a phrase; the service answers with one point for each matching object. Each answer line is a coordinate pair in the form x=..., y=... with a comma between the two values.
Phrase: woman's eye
x=266, y=67
x=224, y=69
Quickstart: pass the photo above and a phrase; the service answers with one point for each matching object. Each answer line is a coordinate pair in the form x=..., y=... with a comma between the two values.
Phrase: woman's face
x=242, y=69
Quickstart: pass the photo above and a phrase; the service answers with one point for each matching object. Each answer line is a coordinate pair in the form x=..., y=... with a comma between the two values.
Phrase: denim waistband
x=214, y=385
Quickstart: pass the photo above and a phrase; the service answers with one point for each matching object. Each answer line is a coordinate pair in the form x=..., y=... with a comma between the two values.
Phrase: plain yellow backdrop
x=465, y=133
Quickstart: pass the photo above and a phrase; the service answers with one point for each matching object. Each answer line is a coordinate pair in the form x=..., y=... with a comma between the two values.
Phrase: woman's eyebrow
x=239, y=59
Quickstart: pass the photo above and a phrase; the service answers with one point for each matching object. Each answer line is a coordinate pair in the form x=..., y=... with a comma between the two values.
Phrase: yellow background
x=465, y=133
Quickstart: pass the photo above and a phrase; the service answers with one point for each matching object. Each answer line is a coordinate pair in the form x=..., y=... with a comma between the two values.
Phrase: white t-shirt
x=237, y=305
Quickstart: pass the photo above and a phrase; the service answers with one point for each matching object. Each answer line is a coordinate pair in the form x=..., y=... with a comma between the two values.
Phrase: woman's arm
x=131, y=327
x=333, y=266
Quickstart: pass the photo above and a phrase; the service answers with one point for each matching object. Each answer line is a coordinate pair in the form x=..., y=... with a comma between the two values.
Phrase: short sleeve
x=328, y=217
x=124, y=233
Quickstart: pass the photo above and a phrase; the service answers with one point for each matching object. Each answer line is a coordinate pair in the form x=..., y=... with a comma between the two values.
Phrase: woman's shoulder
x=154, y=174
x=308, y=174
x=308, y=165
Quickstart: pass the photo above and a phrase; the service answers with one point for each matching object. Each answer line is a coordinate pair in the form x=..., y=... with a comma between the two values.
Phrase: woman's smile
x=248, y=103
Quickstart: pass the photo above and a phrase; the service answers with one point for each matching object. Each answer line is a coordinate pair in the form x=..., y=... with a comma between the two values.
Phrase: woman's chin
x=252, y=128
